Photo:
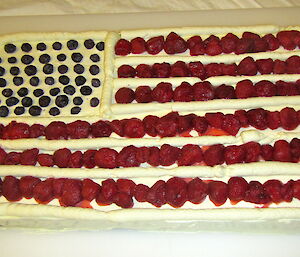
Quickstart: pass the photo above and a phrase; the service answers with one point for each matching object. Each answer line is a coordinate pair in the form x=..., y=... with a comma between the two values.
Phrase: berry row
x=204, y=91
x=173, y=44
x=246, y=67
x=166, y=155
x=175, y=192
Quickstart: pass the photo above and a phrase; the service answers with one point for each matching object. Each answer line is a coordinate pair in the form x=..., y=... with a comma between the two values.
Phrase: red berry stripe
x=166, y=155
x=213, y=45
x=246, y=67
x=122, y=192
x=204, y=91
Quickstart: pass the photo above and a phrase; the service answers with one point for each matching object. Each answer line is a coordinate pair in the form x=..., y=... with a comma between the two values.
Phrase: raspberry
x=197, y=49
x=168, y=154
x=1, y=183
x=126, y=71
x=101, y=129
x=154, y=156
x=190, y=154
x=244, y=89
x=218, y=192
x=215, y=119
x=78, y=129
x=176, y=192
x=123, y=47
x=143, y=94
x=56, y=130
x=260, y=45
x=247, y=67
x=244, y=45
x=213, y=70
x=250, y=35
x=193, y=41
x=272, y=42
x=88, y=159
x=150, y=122
x=289, y=118
x=292, y=65
x=161, y=70
x=228, y=69
x=12, y=158
x=90, y=189
x=237, y=187
x=213, y=48
x=123, y=200
x=279, y=67
x=265, y=88
x=231, y=124
x=45, y=160
x=282, y=151
x=2, y=156
x=183, y=93
x=10, y=189
x=167, y=125
x=174, y=44
x=106, y=158
x=228, y=43
x=286, y=88
x=141, y=192
x=234, y=154
x=76, y=160
x=200, y=124
x=15, y=130
x=1, y=130
x=224, y=92
x=295, y=149
x=127, y=157
x=109, y=189
x=241, y=115
x=265, y=66
x=163, y=92
x=102, y=201
x=143, y=154
x=154, y=45
x=252, y=151
x=27, y=185
x=286, y=39
x=185, y=123
x=126, y=186
x=287, y=191
x=134, y=128
x=71, y=192
x=256, y=193
x=273, y=189
x=267, y=152
x=36, y=130
x=257, y=118
x=117, y=127
x=273, y=120
x=58, y=184
x=43, y=191
x=203, y=91
x=144, y=71
x=157, y=194
x=296, y=189
x=138, y=45
x=179, y=69
x=61, y=157
x=197, y=191
x=124, y=95
x=29, y=157
x=197, y=69
x=214, y=155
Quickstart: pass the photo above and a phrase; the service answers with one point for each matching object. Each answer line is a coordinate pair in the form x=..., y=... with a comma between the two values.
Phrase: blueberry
x=12, y=101
x=44, y=101
x=95, y=58
x=64, y=79
x=86, y=90
x=100, y=46
x=49, y=80
x=54, y=111
x=7, y=92
x=69, y=90
x=48, y=68
x=35, y=110
x=72, y=44
x=2, y=71
x=54, y=91
x=75, y=110
x=26, y=101
x=18, y=81
x=80, y=80
x=12, y=59
x=26, y=47
x=41, y=47
x=0, y=60
x=94, y=102
x=19, y=110
x=61, y=101
x=34, y=81
x=2, y=82
x=76, y=57
x=27, y=59
x=89, y=43
x=38, y=92
x=94, y=69
x=62, y=69
x=44, y=58
x=30, y=70
x=3, y=111
x=23, y=91
x=78, y=68
x=14, y=70
x=77, y=100
x=57, y=46
x=61, y=57
x=96, y=82
x=10, y=48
